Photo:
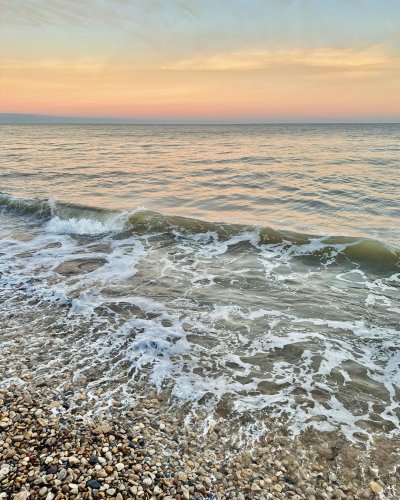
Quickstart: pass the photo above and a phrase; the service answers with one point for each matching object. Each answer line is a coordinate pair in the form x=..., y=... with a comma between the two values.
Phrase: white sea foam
x=182, y=313
x=84, y=226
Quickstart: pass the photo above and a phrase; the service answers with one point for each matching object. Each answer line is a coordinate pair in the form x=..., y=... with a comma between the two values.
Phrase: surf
x=68, y=218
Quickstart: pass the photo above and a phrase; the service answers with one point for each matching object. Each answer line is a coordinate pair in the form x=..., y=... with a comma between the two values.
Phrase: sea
x=254, y=268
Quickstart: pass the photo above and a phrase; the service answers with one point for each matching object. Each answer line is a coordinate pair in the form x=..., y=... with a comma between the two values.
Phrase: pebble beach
x=50, y=449
x=211, y=346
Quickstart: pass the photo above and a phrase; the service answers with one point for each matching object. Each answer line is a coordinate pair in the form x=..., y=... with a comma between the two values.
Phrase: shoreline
x=50, y=449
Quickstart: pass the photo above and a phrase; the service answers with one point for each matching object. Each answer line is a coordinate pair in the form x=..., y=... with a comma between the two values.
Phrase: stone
x=375, y=487
x=338, y=493
x=22, y=495
x=3, y=473
x=182, y=476
x=62, y=474
x=79, y=266
x=94, y=484
x=147, y=482
x=201, y=489
x=73, y=460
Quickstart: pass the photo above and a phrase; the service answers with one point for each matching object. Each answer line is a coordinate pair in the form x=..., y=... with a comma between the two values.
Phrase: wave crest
x=67, y=218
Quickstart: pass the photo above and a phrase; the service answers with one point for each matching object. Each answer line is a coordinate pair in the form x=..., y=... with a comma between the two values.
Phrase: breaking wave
x=66, y=218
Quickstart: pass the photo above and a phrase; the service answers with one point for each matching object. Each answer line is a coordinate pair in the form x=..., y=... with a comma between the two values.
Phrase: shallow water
x=263, y=275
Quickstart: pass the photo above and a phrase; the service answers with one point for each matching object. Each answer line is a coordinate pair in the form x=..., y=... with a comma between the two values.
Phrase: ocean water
x=250, y=268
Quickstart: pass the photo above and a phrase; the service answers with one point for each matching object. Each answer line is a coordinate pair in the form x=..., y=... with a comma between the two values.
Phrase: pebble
x=147, y=482
x=94, y=484
x=148, y=459
x=22, y=495
x=375, y=487
x=62, y=474
x=201, y=489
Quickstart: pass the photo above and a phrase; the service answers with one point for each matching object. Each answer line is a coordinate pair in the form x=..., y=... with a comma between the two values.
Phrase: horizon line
x=44, y=119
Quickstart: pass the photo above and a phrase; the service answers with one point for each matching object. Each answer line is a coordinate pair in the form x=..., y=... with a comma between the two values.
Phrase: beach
x=199, y=250
x=181, y=321
x=48, y=449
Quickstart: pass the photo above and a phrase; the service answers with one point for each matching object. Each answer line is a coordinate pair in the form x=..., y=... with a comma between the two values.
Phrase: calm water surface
x=319, y=178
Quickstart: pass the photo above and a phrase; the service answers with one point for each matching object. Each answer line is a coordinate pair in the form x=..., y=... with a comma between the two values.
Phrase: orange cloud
x=247, y=84
x=339, y=59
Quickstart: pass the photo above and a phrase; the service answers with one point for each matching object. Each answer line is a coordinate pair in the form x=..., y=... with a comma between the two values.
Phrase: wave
x=68, y=218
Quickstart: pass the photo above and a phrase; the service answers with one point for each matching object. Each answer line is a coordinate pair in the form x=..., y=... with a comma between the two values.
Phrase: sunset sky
x=202, y=60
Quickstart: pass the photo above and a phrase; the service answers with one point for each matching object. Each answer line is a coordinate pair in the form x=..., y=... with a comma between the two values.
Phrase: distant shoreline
x=38, y=119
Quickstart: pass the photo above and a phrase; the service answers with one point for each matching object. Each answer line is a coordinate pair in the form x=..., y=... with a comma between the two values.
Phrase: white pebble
x=147, y=482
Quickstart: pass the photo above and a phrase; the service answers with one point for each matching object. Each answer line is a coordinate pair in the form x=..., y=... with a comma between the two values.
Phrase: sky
x=202, y=60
